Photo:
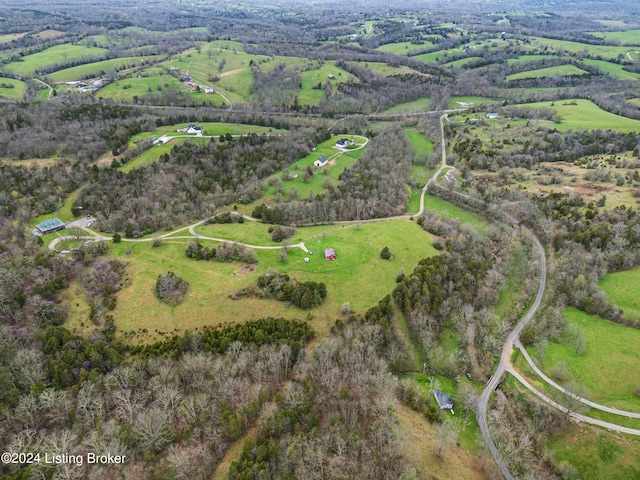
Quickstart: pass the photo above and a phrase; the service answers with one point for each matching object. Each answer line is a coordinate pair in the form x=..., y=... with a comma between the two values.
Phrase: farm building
x=344, y=142
x=493, y=115
x=50, y=225
x=329, y=254
x=445, y=402
x=321, y=162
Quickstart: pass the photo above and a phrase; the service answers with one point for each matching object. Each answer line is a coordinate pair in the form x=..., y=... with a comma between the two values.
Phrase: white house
x=321, y=162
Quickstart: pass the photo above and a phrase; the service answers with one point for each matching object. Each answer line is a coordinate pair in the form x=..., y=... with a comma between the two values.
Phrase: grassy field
x=596, y=453
x=557, y=71
x=310, y=78
x=575, y=47
x=609, y=368
x=420, y=105
x=419, y=142
x=9, y=37
x=334, y=168
x=626, y=37
x=348, y=279
x=124, y=90
x=14, y=93
x=622, y=289
x=96, y=69
x=64, y=213
x=387, y=70
x=583, y=114
x=529, y=58
x=57, y=54
x=613, y=69
x=404, y=48
x=460, y=62
x=448, y=210
x=455, y=101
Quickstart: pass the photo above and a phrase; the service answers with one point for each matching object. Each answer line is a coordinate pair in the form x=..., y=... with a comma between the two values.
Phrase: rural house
x=51, y=225
x=344, y=142
x=329, y=254
x=445, y=402
x=321, y=162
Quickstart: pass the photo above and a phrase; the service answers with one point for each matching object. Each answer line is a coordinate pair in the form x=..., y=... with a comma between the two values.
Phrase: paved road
x=505, y=362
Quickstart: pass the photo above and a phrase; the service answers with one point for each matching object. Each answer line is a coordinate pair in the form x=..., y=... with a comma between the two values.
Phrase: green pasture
x=312, y=77
x=336, y=165
x=596, y=453
x=477, y=101
x=348, y=278
x=460, y=62
x=96, y=69
x=433, y=57
x=557, y=71
x=613, y=69
x=626, y=37
x=208, y=128
x=419, y=105
x=124, y=90
x=610, y=366
x=15, y=93
x=622, y=289
x=529, y=58
x=404, y=48
x=56, y=54
x=603, y=51
x=448, y=210
x=154, y=153
x=419, y=142
x=584, y=114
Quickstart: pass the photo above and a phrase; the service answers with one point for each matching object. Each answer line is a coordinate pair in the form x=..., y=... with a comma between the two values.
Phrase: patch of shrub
x=170, y=288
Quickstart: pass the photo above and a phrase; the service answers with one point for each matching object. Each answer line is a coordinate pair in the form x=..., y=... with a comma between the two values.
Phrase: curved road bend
x=505, y=362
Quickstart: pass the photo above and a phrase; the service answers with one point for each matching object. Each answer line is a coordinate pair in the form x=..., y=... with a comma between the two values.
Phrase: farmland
x=12, y=89
x=557, y=71
x=54, y=55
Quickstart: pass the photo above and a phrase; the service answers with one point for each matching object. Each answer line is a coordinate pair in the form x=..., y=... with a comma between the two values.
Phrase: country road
x=505, y=362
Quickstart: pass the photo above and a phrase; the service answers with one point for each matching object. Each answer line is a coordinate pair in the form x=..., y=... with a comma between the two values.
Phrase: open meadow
x=58, y=54
x=12, y=89
x=348, y=278
x=610, y=365
x=96, y=69
x=557, y=71
x=622, y=290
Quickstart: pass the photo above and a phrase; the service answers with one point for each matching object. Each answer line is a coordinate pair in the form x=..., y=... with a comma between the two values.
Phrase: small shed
x=493, y=115
x=329, y=254
x=321, y=162
x=50, y=225
x=445, y=402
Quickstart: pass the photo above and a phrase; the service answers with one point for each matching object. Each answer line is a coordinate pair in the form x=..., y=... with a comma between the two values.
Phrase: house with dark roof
x=50, y=225
x=445, y=402
x=321, y=162
x=329, y=254
x=345, y=142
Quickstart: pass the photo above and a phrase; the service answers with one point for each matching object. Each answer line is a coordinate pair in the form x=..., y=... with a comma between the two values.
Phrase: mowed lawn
x=348, y=278
x=57, y=54
x=584, y=114
x=12, y=89
x=557, y=71
x=610, y=366
x=623, y=290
